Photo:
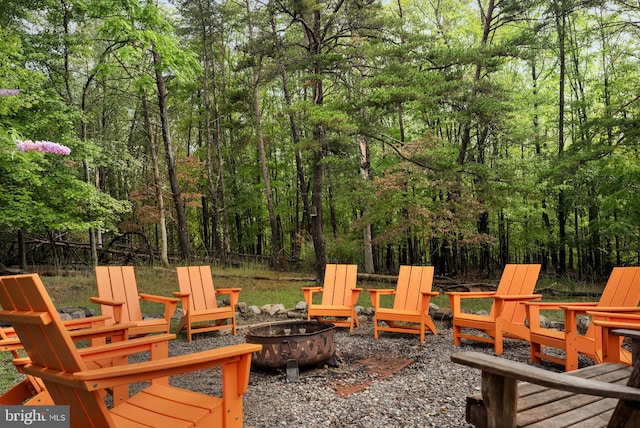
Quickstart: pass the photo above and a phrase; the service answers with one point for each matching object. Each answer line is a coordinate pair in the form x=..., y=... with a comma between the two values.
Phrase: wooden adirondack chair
x=339, y=297
x=31, y=389
x=621, y=294
x=507, y=316
x=198, y=295
x=118, y=298
x=608, y=325
x=410, y=311
x=53, y=357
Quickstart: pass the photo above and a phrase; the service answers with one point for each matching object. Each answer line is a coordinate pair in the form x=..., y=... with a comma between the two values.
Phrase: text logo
x=34, y=416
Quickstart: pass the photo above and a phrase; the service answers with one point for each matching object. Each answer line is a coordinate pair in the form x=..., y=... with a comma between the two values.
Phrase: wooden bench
x=595, y=396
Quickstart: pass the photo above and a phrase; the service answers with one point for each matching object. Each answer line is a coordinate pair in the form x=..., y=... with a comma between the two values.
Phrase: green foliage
x=43, y=190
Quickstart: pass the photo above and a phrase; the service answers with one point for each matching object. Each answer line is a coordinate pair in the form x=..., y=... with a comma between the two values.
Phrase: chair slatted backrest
x=339, y=281
x=517, y=279
x=28, y=307
x=198, y=281
x=622, y=288
x=118, y=283
x=412, y=282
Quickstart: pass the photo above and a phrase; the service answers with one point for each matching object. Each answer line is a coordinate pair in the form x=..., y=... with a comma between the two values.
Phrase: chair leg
x=431, y=325
x=456, y=335
x=534, y=350
x=497, y=345
x=571, y=359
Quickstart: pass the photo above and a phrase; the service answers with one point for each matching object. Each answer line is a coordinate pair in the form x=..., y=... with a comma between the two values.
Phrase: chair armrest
x=156, y=344
x=234, y=295
x=101, y=301
x=119, y=331
x=519, y=371
x=158, y=299
x=228, y=290
x=86, y=322
x=308, y=294
x=381, y=291
x=185, y=298
x=519, y=297
x=455, y=298
x=103, y=378
x=77, y=331
x=470, y=294
x=115, y=304
x=615, y=315
x=375, y=294
x=431, y=293
x=545, y=306
x=180, y=294
x=605, y=309
x=10, y=344
x=170, y=303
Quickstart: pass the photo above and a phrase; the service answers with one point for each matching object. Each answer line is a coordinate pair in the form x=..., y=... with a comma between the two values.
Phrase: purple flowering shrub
x=43, y=146
x=9, y=92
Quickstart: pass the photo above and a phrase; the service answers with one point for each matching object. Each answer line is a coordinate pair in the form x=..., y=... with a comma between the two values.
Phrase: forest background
x=461, y=134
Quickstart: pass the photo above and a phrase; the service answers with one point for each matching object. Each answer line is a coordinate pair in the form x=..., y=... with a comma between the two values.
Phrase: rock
x=253, y=309
x=242, y=307
x=301, y=306
x=277, y=308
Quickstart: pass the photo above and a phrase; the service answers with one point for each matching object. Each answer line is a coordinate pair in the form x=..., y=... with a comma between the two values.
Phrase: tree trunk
x=157, y=182
x=295, y=136
x=210, y=146
x=365, y=172
x=183, y=237
x=562, y=208
x=275, y=242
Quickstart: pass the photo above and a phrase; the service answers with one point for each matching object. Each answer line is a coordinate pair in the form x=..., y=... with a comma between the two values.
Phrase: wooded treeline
x=463, y=134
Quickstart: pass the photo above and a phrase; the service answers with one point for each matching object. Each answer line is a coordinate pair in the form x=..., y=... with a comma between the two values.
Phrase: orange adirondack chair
x=507, y=315
x=339, y=297
x=53, y=357
x=605, y=323
x=198, y=295
x=621, y=294
x=32, y=391
x=118, y=298
x=410, y=311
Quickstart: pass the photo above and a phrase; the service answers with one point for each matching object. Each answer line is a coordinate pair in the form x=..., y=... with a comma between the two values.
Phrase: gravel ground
x=429, y=392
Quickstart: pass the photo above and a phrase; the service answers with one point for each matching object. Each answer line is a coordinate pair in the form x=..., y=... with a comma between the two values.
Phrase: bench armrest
x=514, y=370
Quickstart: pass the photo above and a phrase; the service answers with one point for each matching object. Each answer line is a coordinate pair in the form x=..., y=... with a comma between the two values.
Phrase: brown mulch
x=377, y=368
